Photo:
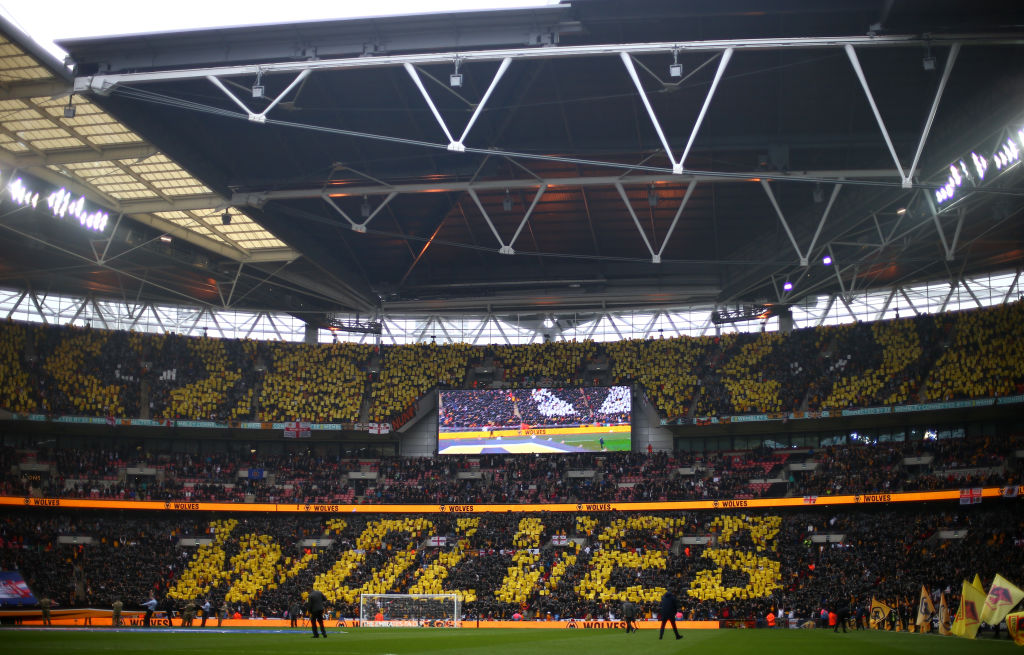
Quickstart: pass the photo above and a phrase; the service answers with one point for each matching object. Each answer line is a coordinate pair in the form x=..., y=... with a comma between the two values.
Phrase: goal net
x=409, y=610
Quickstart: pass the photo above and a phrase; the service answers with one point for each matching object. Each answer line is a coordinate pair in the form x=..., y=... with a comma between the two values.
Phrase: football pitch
x=409, y=641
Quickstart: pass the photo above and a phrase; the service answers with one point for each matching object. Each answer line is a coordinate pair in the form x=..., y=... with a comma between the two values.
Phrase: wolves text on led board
x=520, y=421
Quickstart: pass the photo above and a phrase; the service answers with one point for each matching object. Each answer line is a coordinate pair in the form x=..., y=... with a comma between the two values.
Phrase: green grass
x=410, y=641
x=612, y=441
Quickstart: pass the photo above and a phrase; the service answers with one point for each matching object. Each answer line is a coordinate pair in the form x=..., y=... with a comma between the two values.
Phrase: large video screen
x=522, y=421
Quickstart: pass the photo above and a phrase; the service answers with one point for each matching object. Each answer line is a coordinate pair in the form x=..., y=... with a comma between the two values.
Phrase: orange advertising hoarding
x=471, y=508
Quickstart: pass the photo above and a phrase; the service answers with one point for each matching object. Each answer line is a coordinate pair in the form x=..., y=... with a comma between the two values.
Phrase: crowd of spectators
x=410, y=371
x=985, y=357
x=81, y=371
x=539, y=565
x=302, y=476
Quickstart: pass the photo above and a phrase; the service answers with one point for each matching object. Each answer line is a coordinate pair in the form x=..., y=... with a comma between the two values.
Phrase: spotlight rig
x=353, y=325
x=746, y=313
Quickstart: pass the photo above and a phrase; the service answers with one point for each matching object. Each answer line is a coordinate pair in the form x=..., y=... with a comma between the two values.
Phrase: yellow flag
x=925, y=610
x=1002, y=597
x=1015, y=626
x=968, y=617
x=944, y=625
x=879, y=614
x=977, y=583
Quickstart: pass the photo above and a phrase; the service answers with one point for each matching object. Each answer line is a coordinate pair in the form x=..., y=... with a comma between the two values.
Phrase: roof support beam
x=821, y=224
x=885, y=306
x=631, y=69
x=629, y=207
x=17, y=304
x=259, y=198
x=411, y=70
x=104, y=84
x=677, y=166
x=89, y=260
x=529, y=212
x=950, y=60
x=110, y=239
x=453, y=145
x=855, y=62
x=917, y=312
x=938, y=226
x=188, y=203
x=84, y=155
x=656, y=256
x=503, y=249
x=507, y=249
x=970, y=291
x=782, y=219
x=24, y=90
x=96, y=308
x=826, y=310
x=359, y=227
x=1013, y=285
x=679, y=212
x=262, y=116
x=956, y=232
x=726, y=56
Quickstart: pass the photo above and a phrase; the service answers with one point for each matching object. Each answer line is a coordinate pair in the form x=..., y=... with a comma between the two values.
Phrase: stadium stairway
x=145, y=391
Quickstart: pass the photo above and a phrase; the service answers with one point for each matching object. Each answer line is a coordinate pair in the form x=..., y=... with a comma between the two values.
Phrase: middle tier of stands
x=305, y=477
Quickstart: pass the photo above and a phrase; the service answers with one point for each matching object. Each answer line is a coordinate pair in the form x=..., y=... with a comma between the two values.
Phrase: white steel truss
x=956, y=293
x=106, y=83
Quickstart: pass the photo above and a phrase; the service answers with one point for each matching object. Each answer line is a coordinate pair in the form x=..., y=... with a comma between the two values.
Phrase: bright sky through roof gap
x=47, y=22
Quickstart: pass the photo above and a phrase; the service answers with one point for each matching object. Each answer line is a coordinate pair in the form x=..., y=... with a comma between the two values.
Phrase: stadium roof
x=361, y=178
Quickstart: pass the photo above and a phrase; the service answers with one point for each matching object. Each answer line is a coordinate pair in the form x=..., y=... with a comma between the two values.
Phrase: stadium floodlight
x=69, y=111
x=364, y=209
x=787, y=286
x=928, y=62
x=506, y=202
x=225, y=218
x=548, y=323
x=827, y=260
x=675, y=69
x=410, y=610
x=455, y=79
x=258, y=90
x=652, y=197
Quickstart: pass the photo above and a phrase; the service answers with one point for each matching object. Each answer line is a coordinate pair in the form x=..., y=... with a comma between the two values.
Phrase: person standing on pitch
x=629, y=614
x=207, y=608
x=45, y=604
x=150, y=606
x=669, y=607
x=316, y=602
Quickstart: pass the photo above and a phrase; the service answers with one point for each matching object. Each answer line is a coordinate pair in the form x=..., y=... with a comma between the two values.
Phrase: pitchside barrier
x=102, y=619
x=972, y=495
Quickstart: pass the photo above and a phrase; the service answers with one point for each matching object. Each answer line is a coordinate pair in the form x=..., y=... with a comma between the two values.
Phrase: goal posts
x=409, y=610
